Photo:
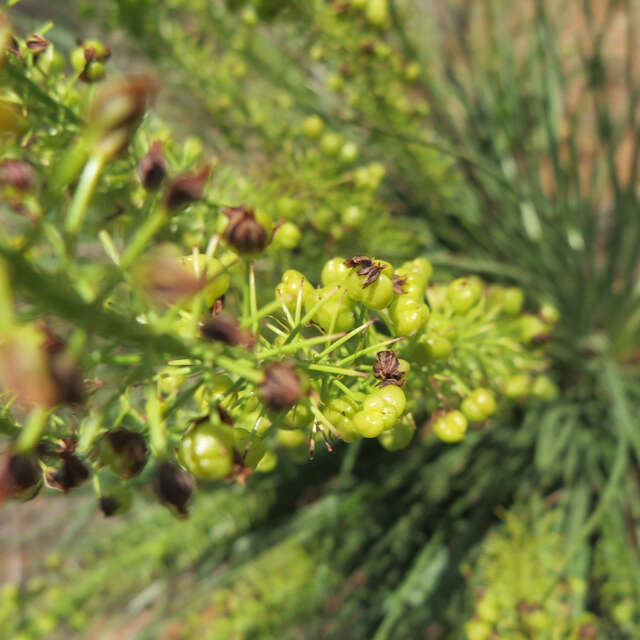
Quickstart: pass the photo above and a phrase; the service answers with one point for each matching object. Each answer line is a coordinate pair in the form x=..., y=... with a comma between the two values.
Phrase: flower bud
x=116, y=502
x=19, y=473
x=117, y=111
x=187, y=188
x=173, y=486
x=152, y=167
x=226, y=329
x=164, y=276
x=124, y=452
x=37, y=44
x=72, y=473
x=18, y=174
x=281, y=387
x=243, y=232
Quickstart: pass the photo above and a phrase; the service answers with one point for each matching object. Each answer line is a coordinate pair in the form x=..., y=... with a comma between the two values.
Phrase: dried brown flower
x=130, y=452
x=243, y=232
x=281, y=387
x=37, y=44
x=19, y=473
x=152, y=167
x=18, y=174
x=117, y=111
x=366, y=267
x=398, y=284
x=225, y=328
x=72, y=473
x=163, y=275
x=387, y=369
x=173, y=486
x=108, y=505
x=186, y=188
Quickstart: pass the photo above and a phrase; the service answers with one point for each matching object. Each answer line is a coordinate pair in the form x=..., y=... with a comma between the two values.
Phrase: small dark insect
x=368, y=268
x=387, y=369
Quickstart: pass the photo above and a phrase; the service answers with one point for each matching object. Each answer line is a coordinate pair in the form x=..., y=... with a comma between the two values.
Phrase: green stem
x=83, y=193
x=346, y=338
x=157, y=430
x=292, y=347
x=32, y=430
x=238, y=367
x=253, y=298
x=6, y=298
x=337, y=370
x=145, y=233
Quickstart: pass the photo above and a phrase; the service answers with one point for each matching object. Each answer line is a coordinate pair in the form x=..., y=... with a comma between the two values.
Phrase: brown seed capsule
x=152, y=167
x=117, y=111
x=243, y=232
x=387, y=369
x=18, y=174
x=67, y=378
x=72, y=473
x=37, y=44
x=173, y=486
x=281, y=387
x=225, y=328
x=19, y=474
x=187, y=188
x=108, y=505
x=164, y=276
x=130, y=452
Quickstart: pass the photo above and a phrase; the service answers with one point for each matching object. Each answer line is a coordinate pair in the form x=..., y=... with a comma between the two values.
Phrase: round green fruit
x=369, y=424
x=397, y=438
x=451, y=426
x=463, y=293
x=207, y=451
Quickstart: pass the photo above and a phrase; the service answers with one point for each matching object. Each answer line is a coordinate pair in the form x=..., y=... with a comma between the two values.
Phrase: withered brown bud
x=164, y=276
x=51, y=343
x=243, y=232
x=187, y=188
x=387, y=369
x=282, y=387
x=72, y=473
x=18, y=174
x=225, y=416
x=152, y=167
x=108, y=505
x=19, y=473
x=218, y=307
x=37, y=44
x=130, y=452
x=67, y=377
x=173, y=486
x=225, y=328
x=117, y=111
x=14, y=47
